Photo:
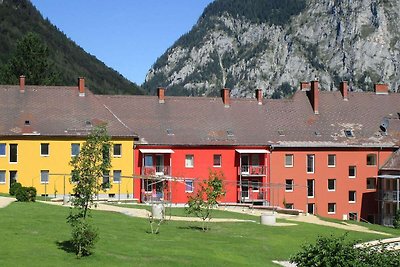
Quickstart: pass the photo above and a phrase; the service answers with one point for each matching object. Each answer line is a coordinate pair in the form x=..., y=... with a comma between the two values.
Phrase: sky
x=127, y=35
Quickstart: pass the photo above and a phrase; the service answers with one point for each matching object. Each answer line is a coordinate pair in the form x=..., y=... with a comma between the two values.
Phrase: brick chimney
x=81, y=86
x=161, y=95
x=344, y=90
x=381, y=89
x=313, y=96
x=304, y=86
x=259, y=96
x=22, y=84
x=225, y=94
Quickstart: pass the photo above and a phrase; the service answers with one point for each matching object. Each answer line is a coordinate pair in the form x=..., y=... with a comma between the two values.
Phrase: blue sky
x=127, y=35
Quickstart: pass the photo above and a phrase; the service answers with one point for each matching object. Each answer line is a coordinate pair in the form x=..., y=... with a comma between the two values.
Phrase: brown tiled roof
x=289, y=122
x=393, y=163
x=54, y=111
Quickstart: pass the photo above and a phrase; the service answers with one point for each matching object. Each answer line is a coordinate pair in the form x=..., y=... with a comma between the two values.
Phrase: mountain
x=19, y=17
x=275, y=44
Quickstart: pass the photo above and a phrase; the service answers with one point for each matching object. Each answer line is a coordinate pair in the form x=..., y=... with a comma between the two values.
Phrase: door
x=148, y=168
x=159, y=164
x=245, y=164
x=245, y=189
x=13, y=177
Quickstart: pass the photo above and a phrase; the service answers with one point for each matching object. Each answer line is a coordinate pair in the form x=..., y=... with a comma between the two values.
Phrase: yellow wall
x=30, y=163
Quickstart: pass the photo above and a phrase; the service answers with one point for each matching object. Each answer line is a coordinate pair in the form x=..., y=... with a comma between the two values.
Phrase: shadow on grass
x=191, y=227
x=67, y=246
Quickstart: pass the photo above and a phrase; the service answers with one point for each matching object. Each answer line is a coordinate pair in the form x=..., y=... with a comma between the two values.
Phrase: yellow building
x=42, y=128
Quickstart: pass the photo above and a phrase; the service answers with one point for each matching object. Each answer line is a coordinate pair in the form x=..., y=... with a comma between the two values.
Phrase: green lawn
x=31, y=232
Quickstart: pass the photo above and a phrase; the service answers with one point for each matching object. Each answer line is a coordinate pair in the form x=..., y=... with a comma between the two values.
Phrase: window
x=75, y=149
x=352, y=196
x=106, y=180
x=289, y=160
x=310, y=188
x=217, y=160
x=255, y=185
x=13, y=177
x=2, y=150
x=2, y=177
x=188, y=185
x=331, y=184
x=311, y=208
x=352, y=171
x=44, y=150
x=332, y=160
x=371, y=183
x=348, y=133
x=44, y=177
x=13, y=153
x=117, y=149
x=289, y=206
x=117, y=176
x=148, y=185
x=255, y=160
x=353, y=216
x=289, y=185
x=189, y=161
x=331, y=208
x=371, y=160
x=310, y=163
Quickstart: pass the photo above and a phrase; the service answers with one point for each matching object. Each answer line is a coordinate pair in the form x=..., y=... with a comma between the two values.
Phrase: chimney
x=344, y=90
x=22, y=84
x=313, y=96
x=304, y=86
x=381, y=89
x=81, y=86
x=259, y=96
x=161, y=95
x=225, y=94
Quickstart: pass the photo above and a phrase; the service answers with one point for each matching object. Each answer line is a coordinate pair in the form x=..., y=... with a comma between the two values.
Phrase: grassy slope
x=30, y=232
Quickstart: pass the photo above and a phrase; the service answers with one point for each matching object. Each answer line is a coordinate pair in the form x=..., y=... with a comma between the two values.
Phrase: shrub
x=396, y=221
x=14, y=188
x=84, y=236
x=26, y=194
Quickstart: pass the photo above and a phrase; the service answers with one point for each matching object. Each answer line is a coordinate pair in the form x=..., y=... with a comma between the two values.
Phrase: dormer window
x=348, y=133
x=27, y=122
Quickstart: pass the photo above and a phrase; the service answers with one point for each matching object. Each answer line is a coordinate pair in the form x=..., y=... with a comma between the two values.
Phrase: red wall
x=365, y=198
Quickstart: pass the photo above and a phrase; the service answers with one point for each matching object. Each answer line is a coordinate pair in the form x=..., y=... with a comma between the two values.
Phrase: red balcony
x=156, y=170
x=249, y=170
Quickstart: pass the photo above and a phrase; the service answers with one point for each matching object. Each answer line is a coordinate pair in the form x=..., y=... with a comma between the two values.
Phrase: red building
x=320, y=152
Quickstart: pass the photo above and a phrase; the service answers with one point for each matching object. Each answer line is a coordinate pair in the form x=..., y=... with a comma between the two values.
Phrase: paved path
x=5, y=201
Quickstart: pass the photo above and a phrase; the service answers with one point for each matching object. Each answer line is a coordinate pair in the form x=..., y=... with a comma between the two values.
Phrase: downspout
x=268, y=191
x=240, y=178
x=133, y=174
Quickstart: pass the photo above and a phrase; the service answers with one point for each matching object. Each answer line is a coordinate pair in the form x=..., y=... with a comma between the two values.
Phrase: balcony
x=389, y=196
x=249, y=170
x=156, y=170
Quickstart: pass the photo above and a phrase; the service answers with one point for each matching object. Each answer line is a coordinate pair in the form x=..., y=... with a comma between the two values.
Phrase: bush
x=396, y=221
x=26, y=194
x=14, y=188
x=84, y=236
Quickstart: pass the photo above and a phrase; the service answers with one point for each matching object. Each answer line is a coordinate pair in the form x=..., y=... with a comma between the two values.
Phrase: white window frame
x=313, y=163
x=116, y=171
x=5, y=178
x=5, y=150
x=292, y=185
x=48, y=150
x=43, y=172
x=313, y=207
x=220, y=160
x=334, y=185
x=189, y=161
x=120, y=151
x=355, y=171
x=355, y=196
x=334, y=161
x=313, y=188
x=258, y=183
x=187, y=183
x=334, y=208
x=291, y=156
x=79, y=148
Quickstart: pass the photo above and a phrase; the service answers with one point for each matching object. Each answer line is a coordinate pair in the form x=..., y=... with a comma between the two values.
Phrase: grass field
x=32, y=234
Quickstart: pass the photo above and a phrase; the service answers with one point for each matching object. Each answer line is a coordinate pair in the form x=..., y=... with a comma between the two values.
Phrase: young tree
x=88, y=167
x=30, y=58
x=201, y=204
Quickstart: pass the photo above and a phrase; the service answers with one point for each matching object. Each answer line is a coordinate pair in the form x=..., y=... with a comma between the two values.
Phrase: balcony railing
x=388, y=195
x=156, y=170
x=250, y=170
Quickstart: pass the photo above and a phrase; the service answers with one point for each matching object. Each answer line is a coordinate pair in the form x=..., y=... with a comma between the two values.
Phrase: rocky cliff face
x=332, y=40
